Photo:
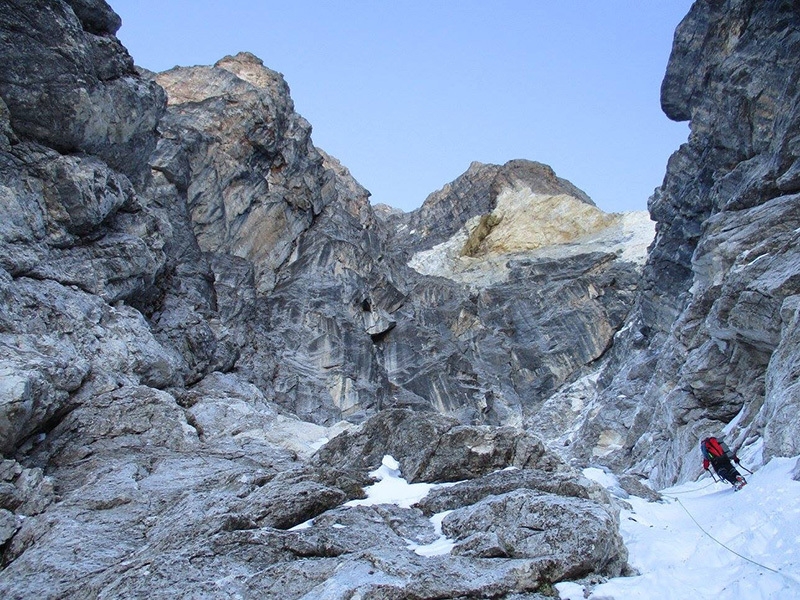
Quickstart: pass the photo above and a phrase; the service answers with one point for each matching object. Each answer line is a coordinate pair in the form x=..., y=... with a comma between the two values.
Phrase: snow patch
x=391, y=488
x=318, y=444
x=748, y=547
x=567, y=590
x=438, y=547
x=607, y=480
x=303, y=525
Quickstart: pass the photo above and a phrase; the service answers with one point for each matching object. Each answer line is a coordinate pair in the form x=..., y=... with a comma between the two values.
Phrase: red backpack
x=713, y=447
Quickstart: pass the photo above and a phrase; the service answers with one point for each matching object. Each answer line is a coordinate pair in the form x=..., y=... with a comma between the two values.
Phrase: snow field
x=677, y=560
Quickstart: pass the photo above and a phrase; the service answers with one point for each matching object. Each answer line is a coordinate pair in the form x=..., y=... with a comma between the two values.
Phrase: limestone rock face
x=209, y=338
x=778, y=416
x=70, y=84
x=219, y=520
x=79, y=243
x=709, y=341
x=232, y=142
x=485, y=315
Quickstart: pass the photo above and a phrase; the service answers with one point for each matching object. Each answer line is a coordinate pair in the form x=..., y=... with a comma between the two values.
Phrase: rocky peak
x=476, y=193
x=232, y=141
x=533, y=215
x=538, y=177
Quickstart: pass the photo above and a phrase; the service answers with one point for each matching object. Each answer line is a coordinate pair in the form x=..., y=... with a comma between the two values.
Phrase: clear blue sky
x=407, y=93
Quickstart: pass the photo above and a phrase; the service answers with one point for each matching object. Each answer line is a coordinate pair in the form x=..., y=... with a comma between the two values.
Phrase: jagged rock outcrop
x=490, y=315
x=139, y=509
x=186, y=283
x=334, y=300
x=233, y=144
x=77, y=241
x=710, y=340
x=70, y=85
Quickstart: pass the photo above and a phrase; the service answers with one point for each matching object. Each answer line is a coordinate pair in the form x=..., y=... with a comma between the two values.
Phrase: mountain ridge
x=196, y=300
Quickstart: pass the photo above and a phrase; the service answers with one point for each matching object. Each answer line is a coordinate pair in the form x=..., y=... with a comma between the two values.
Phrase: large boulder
x=574, y=536
x=432, y=447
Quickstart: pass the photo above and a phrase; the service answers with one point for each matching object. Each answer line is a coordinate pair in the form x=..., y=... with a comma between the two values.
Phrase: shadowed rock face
x=76, y=240
x=70, y=84
x=511, y=306
x=186, y=283
x=182, y=274
x=710, y=338
x=333, y=323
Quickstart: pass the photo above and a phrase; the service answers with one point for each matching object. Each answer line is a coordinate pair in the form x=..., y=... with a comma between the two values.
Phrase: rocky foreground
x=194, y=299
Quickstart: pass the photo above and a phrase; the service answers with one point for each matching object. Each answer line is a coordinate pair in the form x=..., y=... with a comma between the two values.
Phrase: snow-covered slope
x=748, y=547
x=702, y=541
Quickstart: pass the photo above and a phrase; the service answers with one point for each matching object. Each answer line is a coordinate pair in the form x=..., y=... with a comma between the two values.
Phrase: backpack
x=713, y=448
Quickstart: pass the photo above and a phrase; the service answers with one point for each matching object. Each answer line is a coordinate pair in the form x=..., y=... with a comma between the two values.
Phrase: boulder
x=432, y=447
x=465, y=493
x=575, y=536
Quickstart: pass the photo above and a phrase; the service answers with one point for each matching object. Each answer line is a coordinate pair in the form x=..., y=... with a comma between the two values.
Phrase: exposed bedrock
x=70, y=85
x=210, y=340
x=709, y=341
x=137, y=501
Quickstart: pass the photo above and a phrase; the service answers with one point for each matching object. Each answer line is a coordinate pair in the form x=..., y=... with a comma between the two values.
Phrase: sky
x=406, y=94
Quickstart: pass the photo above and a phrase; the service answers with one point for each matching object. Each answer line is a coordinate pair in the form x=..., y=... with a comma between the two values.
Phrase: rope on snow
x=758, y=564
x=690, y=491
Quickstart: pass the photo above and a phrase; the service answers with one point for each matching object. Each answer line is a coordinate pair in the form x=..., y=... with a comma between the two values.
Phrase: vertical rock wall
x=709, y=342
x=77, y=240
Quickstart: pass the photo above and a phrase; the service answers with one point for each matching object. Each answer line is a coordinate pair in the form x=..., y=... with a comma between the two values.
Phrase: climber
x=718, y=455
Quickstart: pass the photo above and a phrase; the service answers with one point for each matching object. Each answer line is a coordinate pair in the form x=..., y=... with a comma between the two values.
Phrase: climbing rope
x=694, y=490
x=758, y=564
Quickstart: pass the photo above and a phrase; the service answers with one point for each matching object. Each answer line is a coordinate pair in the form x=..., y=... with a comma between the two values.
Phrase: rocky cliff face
x=184, y=275
x=709, y=342
x=194, y=300
x=78, y=242
x=511, y=305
